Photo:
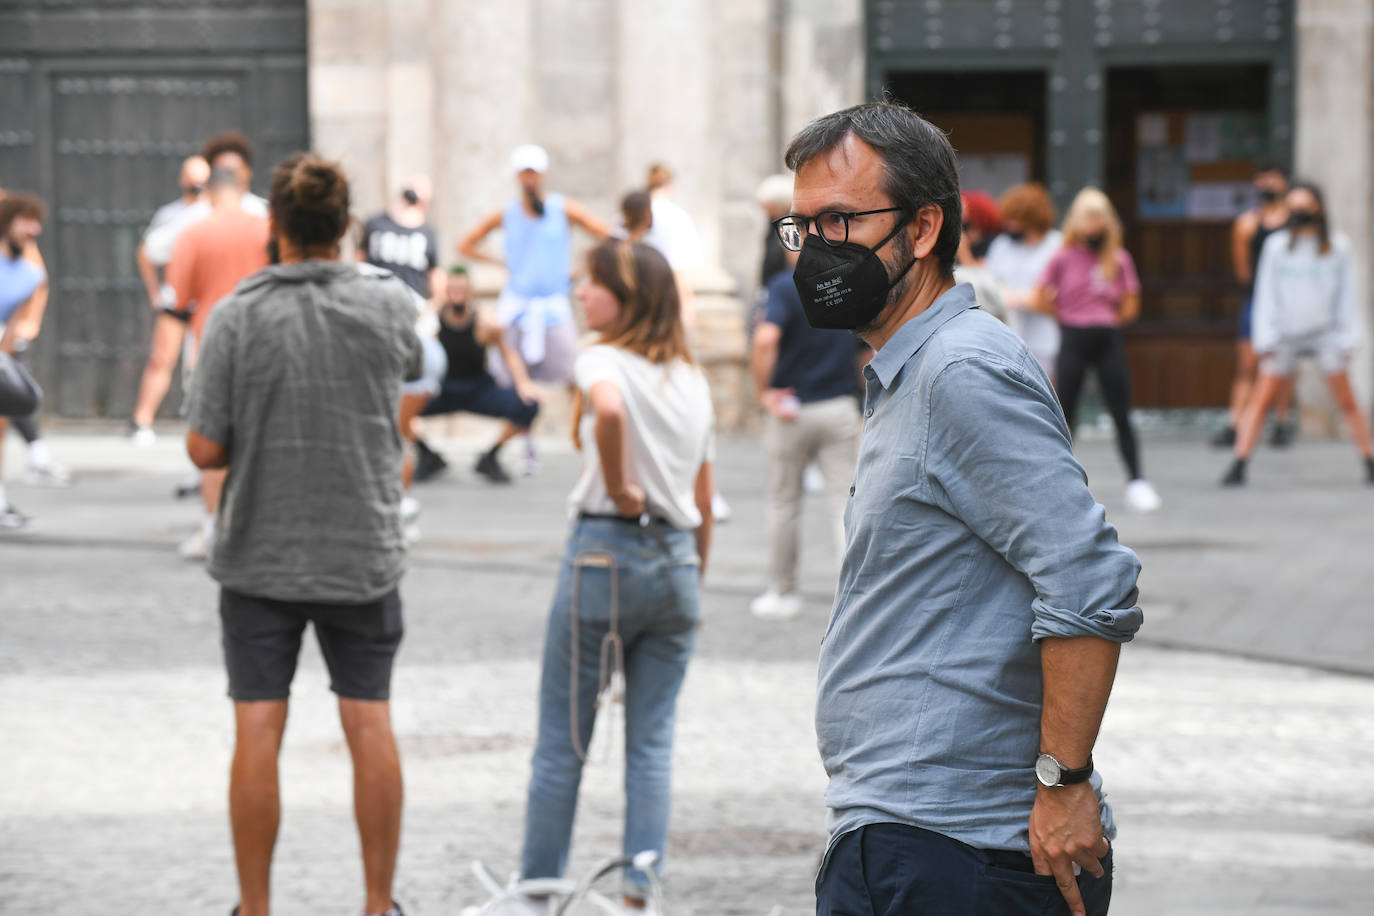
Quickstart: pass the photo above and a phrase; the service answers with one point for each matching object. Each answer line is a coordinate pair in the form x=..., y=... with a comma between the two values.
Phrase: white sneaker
x=772, y=605
x=48, y=475
x=1141, y=497
x=410, y=509
x=11, y=519
x=197, y=546
x=813, y=481
x=143, y=437
x=720, y=509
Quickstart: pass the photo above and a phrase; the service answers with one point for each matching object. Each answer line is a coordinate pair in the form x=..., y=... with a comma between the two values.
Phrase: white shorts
x=1282, y=359
x=436, y=367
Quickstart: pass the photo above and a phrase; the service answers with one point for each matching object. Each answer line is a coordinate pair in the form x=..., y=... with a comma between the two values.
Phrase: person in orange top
x=210, y=258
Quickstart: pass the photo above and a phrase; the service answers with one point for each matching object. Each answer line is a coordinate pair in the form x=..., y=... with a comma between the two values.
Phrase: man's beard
x=901, y=257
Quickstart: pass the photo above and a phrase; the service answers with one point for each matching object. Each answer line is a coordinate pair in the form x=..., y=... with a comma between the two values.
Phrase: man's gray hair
x=917, y=158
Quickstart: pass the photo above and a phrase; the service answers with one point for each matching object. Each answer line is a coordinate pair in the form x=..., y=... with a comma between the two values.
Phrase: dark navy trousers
x=896, y=870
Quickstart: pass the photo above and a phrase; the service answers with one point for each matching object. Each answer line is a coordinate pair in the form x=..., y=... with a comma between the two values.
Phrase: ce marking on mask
x=832, y=291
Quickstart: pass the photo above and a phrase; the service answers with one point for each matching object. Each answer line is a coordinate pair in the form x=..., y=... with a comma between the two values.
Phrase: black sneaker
x=1235, y=477
x=1225, y=438
x=1281, y=436
x=491, y=469
x=428, y=462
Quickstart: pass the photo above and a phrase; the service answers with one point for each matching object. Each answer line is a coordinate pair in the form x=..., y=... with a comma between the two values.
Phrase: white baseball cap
x=529, y=157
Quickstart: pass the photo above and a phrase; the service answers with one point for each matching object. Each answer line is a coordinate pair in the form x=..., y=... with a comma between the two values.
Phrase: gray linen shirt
x=970, y=535
x=300, y=376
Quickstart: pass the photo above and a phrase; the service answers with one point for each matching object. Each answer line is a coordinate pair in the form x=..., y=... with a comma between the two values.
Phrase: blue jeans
x=659, y=606
x=893, y=870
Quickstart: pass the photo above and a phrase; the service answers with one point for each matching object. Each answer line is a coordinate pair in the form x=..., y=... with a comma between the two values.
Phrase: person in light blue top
x=537, y=233
x=983, y=596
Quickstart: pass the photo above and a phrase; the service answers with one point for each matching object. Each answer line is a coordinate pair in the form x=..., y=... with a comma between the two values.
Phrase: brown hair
x=13, y=206
x=1030, y=205
x=650, y=319
x=309, y=200
x=230, y=141
x=659, y=175
x=637, y=210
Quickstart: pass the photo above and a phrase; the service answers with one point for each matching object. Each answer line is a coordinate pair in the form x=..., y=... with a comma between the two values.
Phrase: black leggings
x=1103, y=349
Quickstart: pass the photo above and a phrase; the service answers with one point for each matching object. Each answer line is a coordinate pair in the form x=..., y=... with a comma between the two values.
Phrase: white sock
x=38, y=454
x=208, y=525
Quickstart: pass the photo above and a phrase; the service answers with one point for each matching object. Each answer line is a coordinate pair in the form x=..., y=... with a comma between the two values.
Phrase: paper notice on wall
x=1202, y=137
x=993, y=172
x=1219, y=200
x=1161, y=182
x=1152, y=130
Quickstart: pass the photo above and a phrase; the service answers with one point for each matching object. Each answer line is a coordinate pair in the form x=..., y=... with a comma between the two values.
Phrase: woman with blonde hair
x=628, y=594
x=1091, y=286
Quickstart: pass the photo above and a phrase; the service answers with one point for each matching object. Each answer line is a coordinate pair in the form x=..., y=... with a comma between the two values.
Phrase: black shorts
x=262, y=640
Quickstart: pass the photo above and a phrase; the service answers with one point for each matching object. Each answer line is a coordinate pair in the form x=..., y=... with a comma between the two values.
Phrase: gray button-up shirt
x=970, y=535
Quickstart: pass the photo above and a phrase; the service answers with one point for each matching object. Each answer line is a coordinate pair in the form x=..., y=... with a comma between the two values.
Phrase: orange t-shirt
x=212, y=256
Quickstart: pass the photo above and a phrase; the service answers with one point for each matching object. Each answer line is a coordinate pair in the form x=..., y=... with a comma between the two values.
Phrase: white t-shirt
x=674, y=234
x=1017, y=266
x=669, y=433
x=161, y=238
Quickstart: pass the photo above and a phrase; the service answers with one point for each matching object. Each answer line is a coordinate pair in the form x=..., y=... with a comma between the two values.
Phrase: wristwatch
x=1052, y=773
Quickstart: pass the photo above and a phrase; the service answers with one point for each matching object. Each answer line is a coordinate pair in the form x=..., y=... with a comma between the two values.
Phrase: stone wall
x=1335, y=148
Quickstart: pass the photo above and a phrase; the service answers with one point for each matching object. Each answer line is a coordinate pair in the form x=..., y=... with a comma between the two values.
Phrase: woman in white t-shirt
x=629, y=583
x=1017, y=257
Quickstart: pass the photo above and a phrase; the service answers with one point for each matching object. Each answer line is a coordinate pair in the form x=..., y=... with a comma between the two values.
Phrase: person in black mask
x=1248, y=234
x=980, y=587
x=1091, y=286
x=466, y=332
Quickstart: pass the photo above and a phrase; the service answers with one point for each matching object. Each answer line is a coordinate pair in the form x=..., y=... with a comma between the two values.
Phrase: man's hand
x=529, y=392
x=1066, y=827
x=629, y=502
x=780, y=402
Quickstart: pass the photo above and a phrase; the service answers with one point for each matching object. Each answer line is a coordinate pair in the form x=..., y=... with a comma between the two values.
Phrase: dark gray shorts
x=262, y=641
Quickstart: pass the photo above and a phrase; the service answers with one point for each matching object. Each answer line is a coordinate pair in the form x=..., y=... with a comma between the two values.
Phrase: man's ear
x=924, y=229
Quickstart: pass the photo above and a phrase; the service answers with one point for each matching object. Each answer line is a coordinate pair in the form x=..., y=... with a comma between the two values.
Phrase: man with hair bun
x=298, y=391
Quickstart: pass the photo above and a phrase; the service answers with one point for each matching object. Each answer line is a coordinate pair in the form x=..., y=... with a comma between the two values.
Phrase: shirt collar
x=910, y=337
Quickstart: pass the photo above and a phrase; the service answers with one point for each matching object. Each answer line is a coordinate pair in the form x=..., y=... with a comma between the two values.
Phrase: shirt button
x=851, y=491
x=868, y=412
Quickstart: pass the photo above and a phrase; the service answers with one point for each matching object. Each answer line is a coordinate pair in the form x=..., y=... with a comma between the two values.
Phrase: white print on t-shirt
x=405, y=249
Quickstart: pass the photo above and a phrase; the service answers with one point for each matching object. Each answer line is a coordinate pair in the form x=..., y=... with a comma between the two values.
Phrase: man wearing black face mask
x=402, y=241
x=982, y=597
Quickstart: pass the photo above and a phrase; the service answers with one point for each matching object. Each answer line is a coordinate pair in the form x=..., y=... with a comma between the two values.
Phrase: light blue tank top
x=537, y=248
x=19, y=279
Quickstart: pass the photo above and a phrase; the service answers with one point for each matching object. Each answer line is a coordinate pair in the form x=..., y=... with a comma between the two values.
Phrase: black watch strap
x=1066, y=777
x=1069, y=777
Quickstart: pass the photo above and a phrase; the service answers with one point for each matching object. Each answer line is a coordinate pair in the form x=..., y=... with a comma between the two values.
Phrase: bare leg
x=1354, y=417
x=1283, y=402
x=254, y=801
x=377, y=793
x=509, y=432
x=168, y=333
x=1243, y=386
x=1252, y=421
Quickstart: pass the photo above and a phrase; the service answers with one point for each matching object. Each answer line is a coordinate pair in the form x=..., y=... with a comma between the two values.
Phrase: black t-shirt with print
x=408, y=253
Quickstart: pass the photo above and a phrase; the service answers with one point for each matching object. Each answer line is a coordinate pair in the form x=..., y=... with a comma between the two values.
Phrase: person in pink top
x=1091, y=286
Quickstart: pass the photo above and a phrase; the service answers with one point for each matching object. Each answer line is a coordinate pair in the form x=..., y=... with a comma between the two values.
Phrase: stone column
x=1335, y=146
x=348, y=91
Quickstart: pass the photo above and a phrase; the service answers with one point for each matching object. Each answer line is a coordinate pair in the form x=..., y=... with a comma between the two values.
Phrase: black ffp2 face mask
x=844, y=287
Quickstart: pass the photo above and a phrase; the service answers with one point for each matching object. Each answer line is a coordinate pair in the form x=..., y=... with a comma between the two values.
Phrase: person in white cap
x=535, y=309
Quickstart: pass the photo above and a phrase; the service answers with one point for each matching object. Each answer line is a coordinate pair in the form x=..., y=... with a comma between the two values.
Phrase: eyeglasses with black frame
x=831, y=225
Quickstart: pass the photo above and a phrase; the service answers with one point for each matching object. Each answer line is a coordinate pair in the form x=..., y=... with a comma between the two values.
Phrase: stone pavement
x=1241, y=784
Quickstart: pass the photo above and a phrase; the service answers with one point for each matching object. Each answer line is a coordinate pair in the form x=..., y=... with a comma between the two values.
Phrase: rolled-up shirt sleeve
x=999, y=459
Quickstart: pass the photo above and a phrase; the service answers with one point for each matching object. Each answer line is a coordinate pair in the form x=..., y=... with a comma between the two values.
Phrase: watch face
x=1047, y=770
